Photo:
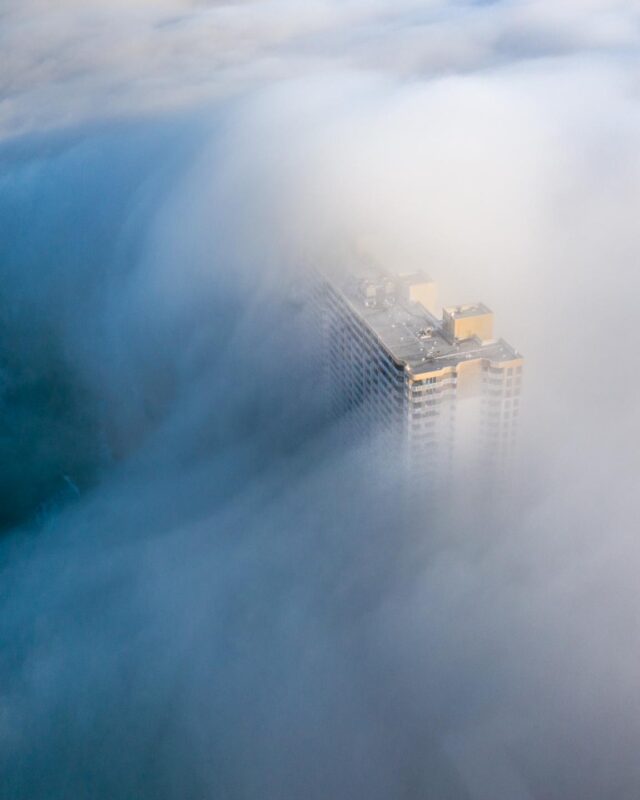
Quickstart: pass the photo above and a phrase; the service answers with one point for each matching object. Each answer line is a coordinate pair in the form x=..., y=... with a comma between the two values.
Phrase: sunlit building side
x=443, y=391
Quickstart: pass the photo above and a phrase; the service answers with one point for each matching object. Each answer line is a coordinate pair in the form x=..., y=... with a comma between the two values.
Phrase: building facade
x=442, y=391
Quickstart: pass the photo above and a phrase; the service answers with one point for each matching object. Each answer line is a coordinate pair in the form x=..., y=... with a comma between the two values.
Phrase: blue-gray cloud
x=209, y=590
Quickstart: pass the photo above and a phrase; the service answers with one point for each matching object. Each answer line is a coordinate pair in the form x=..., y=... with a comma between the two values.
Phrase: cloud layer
x=208, y=591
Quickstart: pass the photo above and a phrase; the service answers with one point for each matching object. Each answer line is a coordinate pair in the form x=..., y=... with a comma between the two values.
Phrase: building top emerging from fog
x=400, y=312
x=443, y=387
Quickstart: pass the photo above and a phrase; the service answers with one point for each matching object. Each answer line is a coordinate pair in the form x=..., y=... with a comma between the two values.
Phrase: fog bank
x=208, y=588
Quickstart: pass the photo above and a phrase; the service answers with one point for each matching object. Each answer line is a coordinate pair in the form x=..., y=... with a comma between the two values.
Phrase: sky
x=208, y=590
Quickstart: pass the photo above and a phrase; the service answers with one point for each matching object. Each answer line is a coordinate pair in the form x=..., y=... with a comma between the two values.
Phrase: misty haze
x=319, y=440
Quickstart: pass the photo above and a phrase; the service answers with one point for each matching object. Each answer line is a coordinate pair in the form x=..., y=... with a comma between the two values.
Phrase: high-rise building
x=442, y=389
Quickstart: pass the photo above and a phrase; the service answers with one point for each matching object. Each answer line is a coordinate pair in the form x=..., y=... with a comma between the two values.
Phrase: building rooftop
x=468, y=310
x=413, y=335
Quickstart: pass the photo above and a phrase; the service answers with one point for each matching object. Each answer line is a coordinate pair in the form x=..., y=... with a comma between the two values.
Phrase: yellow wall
x=483, y=363
x=480, y=325
x=424, y=293
x=469, y=378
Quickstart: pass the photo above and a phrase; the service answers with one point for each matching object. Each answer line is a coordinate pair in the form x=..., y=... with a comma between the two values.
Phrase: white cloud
x=237, y=576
